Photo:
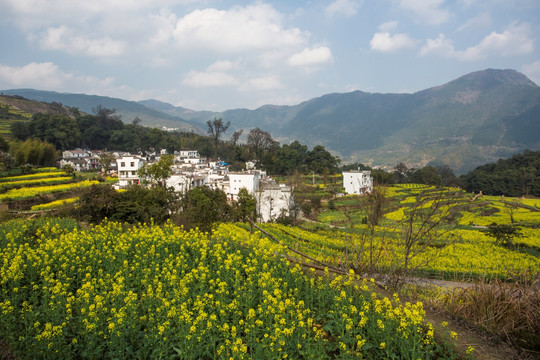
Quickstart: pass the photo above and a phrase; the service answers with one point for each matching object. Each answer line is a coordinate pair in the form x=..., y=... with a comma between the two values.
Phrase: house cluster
x=81, y=160
x=191, y=170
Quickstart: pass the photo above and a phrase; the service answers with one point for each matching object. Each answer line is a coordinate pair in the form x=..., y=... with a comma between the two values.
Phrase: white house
x=188, y=154
x=237, y=180
x=76, y=153
x=273, y=201
x=76, y=163
x=180, y=183
x=127, y=170
x=357, y=182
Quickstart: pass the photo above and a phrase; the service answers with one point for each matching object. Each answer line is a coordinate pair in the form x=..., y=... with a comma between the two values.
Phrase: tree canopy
x=516, y=176
x=158, y=172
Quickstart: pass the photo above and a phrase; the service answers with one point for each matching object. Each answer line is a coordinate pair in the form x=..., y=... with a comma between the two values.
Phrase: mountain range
x=477, y=118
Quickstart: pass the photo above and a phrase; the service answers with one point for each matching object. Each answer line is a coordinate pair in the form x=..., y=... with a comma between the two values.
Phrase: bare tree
x=136, y=121
x=375, y=201
x=216, y=128
x=259, y=141
x=235, y=136
x=424, y=224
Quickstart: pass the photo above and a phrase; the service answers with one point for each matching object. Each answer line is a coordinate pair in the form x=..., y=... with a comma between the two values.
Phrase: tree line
x=200, y=207
x=104, y=130
x=37, y=139
x=516, y=176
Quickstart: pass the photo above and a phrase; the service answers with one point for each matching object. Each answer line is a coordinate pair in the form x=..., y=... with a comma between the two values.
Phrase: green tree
x=157, y=173
x=59, y=130
x=203, y=207
x=517, y=176
x=143, y=205
x=19, y=130
x=33, y=152
x=136, y=205
x=402, y=173
x=319, y=160
x=97, y=202
x=382, y=177
x=106, y=158
x=246, y=205
x=68, y=169
x=4, y=146
x=292, y=158
x=503, y=233
x=427, y=175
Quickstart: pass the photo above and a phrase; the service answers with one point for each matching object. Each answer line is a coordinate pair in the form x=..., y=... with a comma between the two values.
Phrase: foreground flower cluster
x=114, y=291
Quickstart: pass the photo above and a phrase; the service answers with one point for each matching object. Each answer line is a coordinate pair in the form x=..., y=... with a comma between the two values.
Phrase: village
x=192, y=170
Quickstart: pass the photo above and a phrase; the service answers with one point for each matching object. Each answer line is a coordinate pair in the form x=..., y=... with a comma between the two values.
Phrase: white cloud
x=208, y=79
x=62, y=38
x=31, y=74
x=440, y=46
x=385, y=42
x=48, y=76
x=428, y=11
x=343, y=7
x=388, y=26
x=513, y=41
x=223, y=65
x=481, y=21
x=30, y=15
x=265, y=83
x=307, y=57
x=239, y=29
x=532, y=71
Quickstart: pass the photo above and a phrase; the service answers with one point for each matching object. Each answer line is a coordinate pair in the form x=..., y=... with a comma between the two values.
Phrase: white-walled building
x=77, y=164
x=76, y=153
x=180, y=183
x=128, y=166
x=273, y=201
x=248, y=180
x=188, y=154
x=357, y=182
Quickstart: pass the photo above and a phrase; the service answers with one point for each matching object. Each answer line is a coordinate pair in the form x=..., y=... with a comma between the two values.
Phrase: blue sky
x=217, y=55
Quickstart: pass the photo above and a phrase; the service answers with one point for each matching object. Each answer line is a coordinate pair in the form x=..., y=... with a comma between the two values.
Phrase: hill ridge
x=474, y=119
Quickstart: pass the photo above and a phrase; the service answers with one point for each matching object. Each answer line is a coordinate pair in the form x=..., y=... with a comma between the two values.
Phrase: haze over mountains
x=475, y=119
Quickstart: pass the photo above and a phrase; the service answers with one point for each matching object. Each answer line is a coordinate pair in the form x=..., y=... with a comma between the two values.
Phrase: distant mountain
x=475, y=119
x=129, y=110
x=177, y=111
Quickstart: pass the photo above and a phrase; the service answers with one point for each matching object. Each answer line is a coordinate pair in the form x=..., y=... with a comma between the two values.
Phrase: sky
x=218, y=55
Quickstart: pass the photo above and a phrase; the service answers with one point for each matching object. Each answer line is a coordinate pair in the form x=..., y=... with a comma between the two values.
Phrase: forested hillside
x=517, y=176
x=475, y=119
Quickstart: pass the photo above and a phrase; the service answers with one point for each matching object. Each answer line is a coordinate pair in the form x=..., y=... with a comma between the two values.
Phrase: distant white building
x=357, y=182
x=191, y=154
x=273, y=201
x=78, y=164
x=248, y=180
x=76, y=153
x=128, y=166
